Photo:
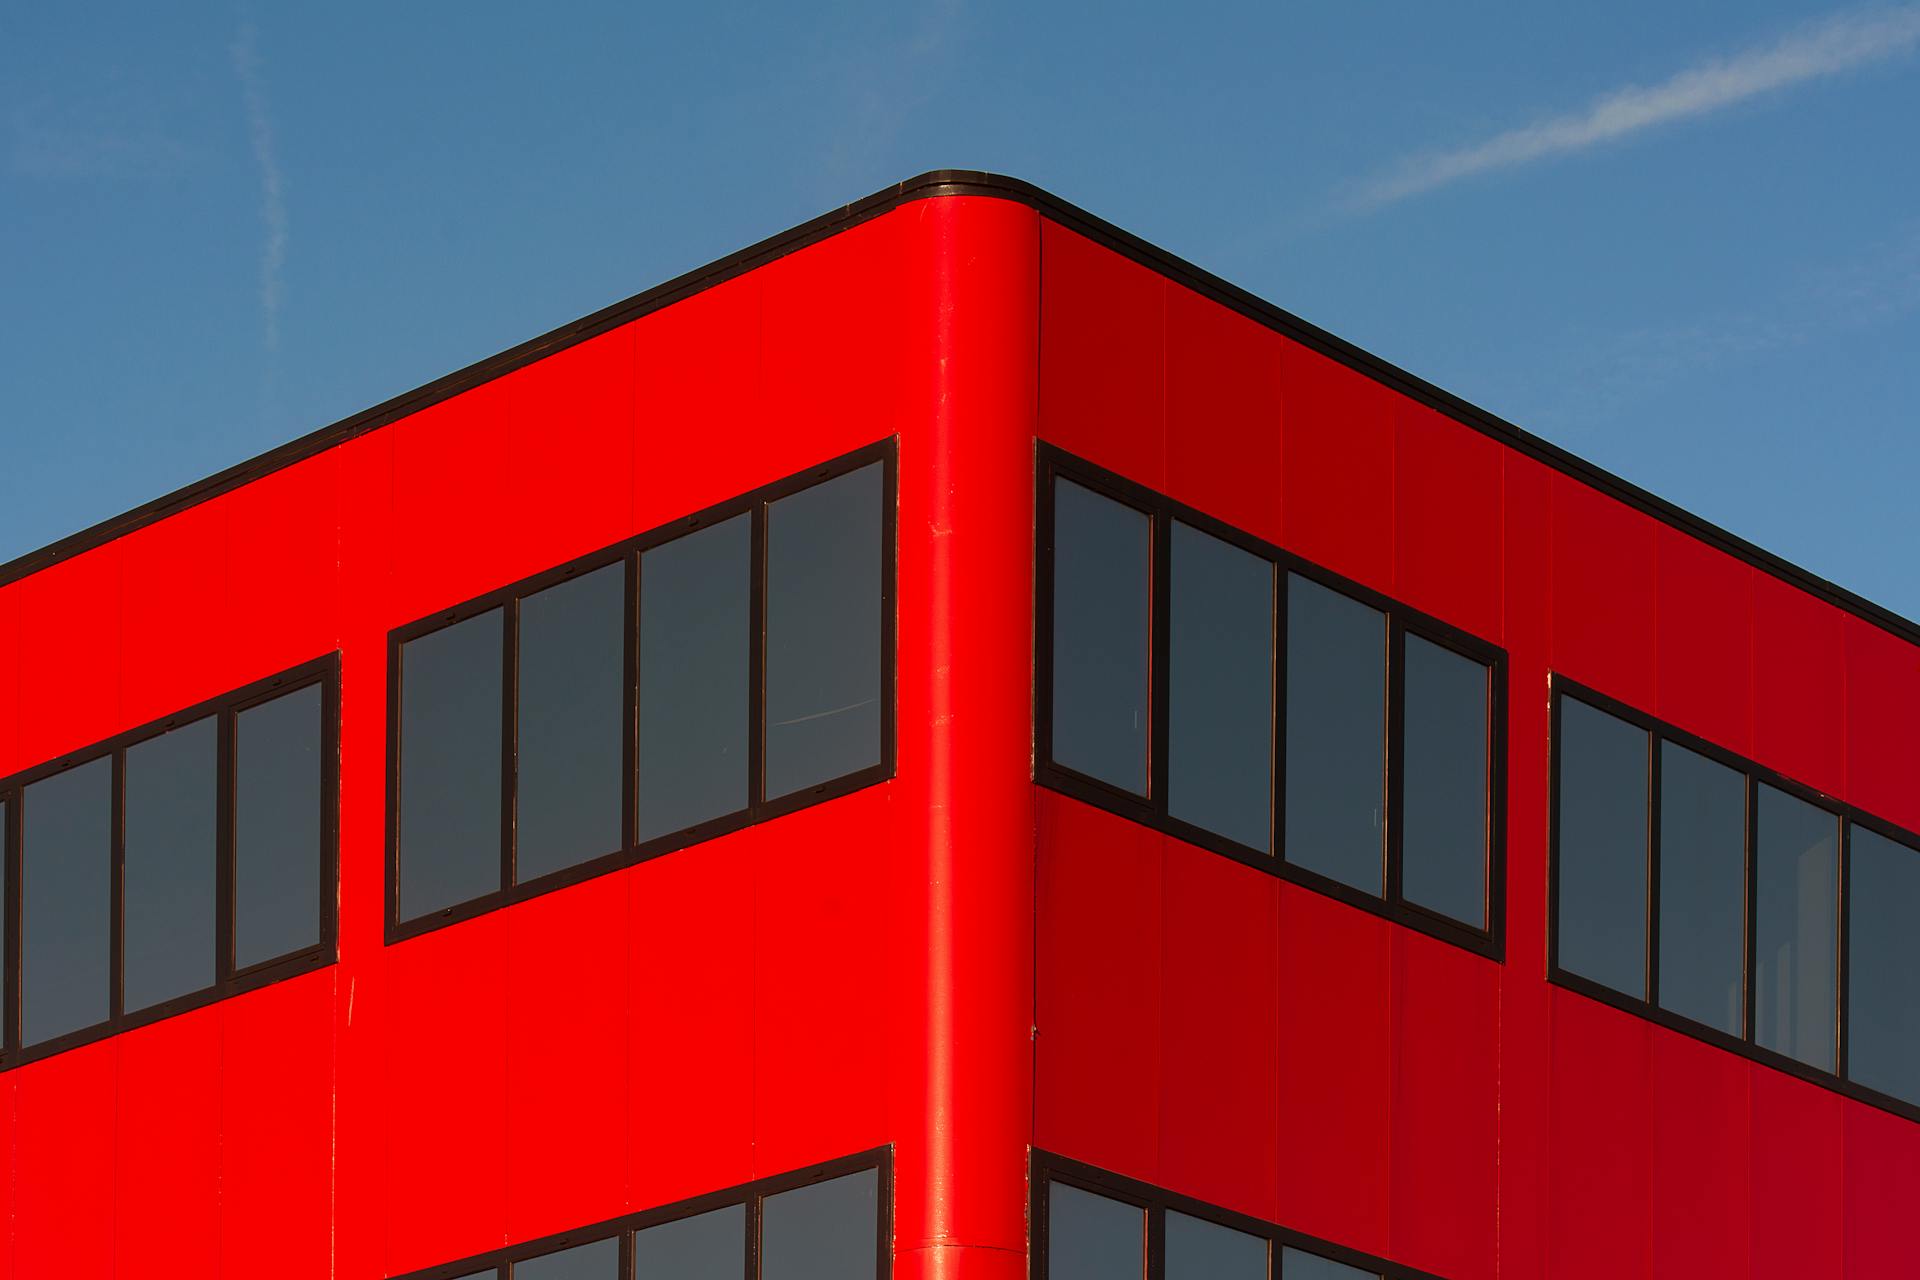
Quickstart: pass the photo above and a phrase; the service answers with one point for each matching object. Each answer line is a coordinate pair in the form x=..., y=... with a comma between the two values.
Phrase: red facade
x=957, y=964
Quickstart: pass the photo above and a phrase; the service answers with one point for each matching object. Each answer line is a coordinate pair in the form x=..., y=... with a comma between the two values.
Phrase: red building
x=950, y=743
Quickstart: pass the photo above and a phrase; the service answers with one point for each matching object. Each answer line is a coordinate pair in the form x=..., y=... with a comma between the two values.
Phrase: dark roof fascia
x=961, y=182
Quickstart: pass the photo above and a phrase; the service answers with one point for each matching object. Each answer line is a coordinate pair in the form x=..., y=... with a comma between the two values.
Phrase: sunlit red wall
x=735, y=1009
x=1221, y=1033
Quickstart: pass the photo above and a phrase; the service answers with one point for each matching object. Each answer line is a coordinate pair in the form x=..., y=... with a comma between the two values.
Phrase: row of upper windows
x=826, y=1223
x=1094, y=1225
x=1197, y=678
x=172, y=865
x=1205, y=682
x=732, y=666
x=1698, y=888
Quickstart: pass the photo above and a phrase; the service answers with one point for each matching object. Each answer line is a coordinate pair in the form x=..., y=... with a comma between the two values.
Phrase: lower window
x=830, y=1222
x=1089, y=1224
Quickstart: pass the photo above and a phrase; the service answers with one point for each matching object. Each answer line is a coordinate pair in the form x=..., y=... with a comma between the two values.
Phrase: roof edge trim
x=961, y=182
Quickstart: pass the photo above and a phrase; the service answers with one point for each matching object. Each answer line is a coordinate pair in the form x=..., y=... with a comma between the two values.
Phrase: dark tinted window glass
x=707, y=1246
x=278, y=821
x=1220, y=674
x=1703, y=900
x=572, y=674
x=827, y=1231
x=66, y=866
x=1443, y=845
x=597, y=1261
x=172, y=807
x=450, y=699
x=1101, y=636
x=1202, y=1250
x=824, y=580
x=1883, y=965
x=1297, y=1264
x=1336, y=735
x=1603, y=848
x=1796, y=869
x=1092, y=1237
x=694, y=596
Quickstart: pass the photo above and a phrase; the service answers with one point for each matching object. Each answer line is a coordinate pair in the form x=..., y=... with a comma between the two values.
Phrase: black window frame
x=1156, y=1202
x=628, y=552
x=749, y=1194
x=1755, y=775
x=1401, y=620
x=229, y=980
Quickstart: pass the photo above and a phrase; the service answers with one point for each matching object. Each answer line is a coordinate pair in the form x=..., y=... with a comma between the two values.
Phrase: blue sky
x=1683, y=241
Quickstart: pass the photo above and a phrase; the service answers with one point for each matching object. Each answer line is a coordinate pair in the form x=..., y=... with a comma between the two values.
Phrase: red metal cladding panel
x=1102, y=356
x=283, y=566
x=166, y=1183
x=10, y=757
x=63, y=1157
x=1600, y=1143
x=820, y=882
x=1704, y=615
x=1097, y=1080
x=1702, y=1159
x=1223, y=413
x=570, y=444
x=690, y=1023
x=450, y=487
x=1799, y=685
x=1882, y=1181
x=830, y=343
x=365, y=515
x=696, y=374
x=446, y=1017
x=1336, y=472
x=1445, y=1108
x=1527, y=621
x=1883, y=706
x=1526, y=1110
x=1219, y=1035
x=1799, y=1179
x=176, y=622
x=1336, y=1134
x=277, y=1111
x=9, y=1175
x=70, y=645
x=567, y=1058
x=1602, y=593
x=1448, y=516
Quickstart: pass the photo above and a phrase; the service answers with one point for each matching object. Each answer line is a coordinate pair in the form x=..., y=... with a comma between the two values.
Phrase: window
x=1101, y=622
x=1796, y=896
x=176, y=864
x=1703, y=868
x=1883, y=963
x=722, y=670
x=1220, y=703
x=172, y=860
x=1093, y=1225
x=1602, y=843
x=1198, y=679
x=825, y=596
x=1336, y=736
x=830, y=1222
x=1716, y=897
x=695, y=645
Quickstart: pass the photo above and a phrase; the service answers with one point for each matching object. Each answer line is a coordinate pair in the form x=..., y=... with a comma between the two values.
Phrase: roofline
x=934, y=184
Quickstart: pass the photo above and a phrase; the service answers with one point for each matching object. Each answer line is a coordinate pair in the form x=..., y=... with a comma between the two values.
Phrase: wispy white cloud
x=1828, y=48
x=273, y=203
